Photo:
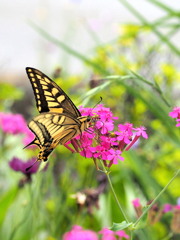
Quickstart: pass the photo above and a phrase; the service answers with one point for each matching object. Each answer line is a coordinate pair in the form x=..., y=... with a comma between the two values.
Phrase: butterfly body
x=59, y=120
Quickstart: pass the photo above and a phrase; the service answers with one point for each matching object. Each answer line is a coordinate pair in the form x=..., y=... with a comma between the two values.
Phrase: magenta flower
x=101, y=152
x=107, y=234
x=20, y=166
x=16, y=124
x=178, y=124
x=28, y=137
x=177, y=207
x=167, y=208
x=12, y=123
x=176, y=114
x=78, y=233
x=128, y=127
x=136, y=202
x=122, y=234
x=104, y=126
x=141, y=132
x=123, y=136
x=99, y=142
x=114, y=155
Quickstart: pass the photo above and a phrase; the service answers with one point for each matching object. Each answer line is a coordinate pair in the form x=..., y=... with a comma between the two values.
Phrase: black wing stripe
x=41, y=85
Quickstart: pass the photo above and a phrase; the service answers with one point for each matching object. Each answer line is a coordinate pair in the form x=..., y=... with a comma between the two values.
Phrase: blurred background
x=81, y=24
x=126, y=52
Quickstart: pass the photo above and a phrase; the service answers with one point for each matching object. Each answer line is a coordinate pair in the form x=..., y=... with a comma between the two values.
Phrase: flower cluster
x=99, y=142
x=78, y=232
x=15, y=124
x=176, y=114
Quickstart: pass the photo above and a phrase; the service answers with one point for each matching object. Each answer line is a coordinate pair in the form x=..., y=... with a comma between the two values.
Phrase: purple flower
x=78, y=233
x=20, y=166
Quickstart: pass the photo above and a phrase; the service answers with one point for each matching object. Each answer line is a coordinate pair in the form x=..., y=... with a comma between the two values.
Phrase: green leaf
x=8, y=91
x=120, y=226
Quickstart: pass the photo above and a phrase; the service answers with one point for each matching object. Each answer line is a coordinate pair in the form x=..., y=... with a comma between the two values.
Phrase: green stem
x=112, y=189
x=145, y=22
x=163, y=190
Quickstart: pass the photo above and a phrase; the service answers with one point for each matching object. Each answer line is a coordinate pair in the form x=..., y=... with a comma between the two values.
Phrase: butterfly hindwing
x=52, y=129
x=52, y=126
x=49, y=96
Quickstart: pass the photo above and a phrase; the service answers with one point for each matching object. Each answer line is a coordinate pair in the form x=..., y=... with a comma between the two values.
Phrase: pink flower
x=12, y=123
x=177, y=207
x=99, y=142
x=104, y=126
x=85, y=111
x=141, y=132
x=77, y=233
x=101, y=152
x=123, y=136
x=128, y=127
x=167, y=207
x=28, y=137
x=107, y=234
x=136, y=202
x=178, y=124
x=114, y=156
x=175, y=113
x=122, y=234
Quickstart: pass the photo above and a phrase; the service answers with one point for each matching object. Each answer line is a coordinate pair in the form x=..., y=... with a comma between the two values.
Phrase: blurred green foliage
x=137, y=77
x=9, y=94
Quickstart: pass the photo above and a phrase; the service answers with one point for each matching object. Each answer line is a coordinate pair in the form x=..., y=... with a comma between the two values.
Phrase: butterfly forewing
x=49, y=96
x=59, y=120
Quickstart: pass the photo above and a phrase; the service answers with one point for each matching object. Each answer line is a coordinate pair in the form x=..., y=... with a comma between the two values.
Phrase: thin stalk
x=165, y=7
x=163, y=190
x=145, y=22
x=114, y=193
x=68, y=49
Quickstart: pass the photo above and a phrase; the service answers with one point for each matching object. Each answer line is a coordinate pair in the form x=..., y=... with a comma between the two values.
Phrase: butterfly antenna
x=27, y=169
x=98, y=102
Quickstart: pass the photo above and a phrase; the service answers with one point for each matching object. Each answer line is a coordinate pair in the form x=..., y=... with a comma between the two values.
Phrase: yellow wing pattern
x=59, y=120
x=49, y=96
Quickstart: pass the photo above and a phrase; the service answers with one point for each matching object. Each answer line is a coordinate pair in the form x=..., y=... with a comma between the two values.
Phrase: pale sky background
x=21, y=45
